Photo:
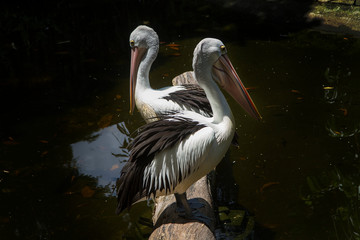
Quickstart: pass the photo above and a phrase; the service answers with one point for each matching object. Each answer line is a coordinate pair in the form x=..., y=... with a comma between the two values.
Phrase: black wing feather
x=192, y=97
x=152, y=138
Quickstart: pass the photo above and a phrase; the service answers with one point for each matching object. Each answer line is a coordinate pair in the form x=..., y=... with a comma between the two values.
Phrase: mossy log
x=169, y=225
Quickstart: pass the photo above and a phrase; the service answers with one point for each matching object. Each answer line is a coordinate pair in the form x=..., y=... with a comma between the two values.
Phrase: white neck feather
x=219, y=105
x=142, y=82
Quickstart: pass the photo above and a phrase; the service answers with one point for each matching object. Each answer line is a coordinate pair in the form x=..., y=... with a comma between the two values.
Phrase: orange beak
x=230, y=81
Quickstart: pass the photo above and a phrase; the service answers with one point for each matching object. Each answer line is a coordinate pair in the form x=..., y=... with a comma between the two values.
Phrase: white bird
x=171, y=154
x=151, y=103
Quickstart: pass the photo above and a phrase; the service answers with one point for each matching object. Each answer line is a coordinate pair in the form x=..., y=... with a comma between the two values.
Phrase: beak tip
x=260, y=118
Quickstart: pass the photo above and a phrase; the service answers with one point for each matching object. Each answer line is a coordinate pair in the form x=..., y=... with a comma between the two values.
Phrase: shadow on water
x=65, y=122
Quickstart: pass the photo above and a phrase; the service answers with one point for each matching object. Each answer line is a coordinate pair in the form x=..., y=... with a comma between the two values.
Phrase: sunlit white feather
x=191, y=158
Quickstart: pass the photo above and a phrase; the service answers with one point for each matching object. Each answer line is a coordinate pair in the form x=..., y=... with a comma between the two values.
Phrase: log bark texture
x=184, y=78
x=169, y=225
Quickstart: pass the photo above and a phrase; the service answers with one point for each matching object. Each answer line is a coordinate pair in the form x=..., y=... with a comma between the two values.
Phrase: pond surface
x=294, y=176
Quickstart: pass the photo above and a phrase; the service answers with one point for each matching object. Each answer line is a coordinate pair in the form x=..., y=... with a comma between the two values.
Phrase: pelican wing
x=163, y=154
x=192, y=97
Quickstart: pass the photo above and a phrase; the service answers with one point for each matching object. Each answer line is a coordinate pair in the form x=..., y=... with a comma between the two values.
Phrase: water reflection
x=103, y=154
x=342, y=127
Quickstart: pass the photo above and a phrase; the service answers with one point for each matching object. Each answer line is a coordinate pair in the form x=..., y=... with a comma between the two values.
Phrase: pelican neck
x=142, y=81
x=218, y=103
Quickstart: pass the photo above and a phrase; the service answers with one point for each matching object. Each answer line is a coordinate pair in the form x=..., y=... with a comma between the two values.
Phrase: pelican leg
x=183, y=205
x=190, y=212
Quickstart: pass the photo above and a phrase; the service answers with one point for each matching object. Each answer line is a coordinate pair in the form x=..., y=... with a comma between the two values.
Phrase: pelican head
x=143, y=41
x=212, y=53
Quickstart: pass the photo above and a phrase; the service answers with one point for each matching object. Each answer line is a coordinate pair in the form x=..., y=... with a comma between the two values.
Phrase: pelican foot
x=191, y=204
x=190, y=209
x=195, y=204
x=195, y=215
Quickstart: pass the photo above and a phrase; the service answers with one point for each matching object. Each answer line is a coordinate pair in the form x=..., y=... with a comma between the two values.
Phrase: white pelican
x=151, y=103
x=169, y=155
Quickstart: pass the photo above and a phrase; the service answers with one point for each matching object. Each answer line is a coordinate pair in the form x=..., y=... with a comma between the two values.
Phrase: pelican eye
x=223, y=48
x=132, y=43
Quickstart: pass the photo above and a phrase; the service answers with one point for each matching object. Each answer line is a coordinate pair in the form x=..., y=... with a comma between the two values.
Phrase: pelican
x=151, y=103
x=169, y=155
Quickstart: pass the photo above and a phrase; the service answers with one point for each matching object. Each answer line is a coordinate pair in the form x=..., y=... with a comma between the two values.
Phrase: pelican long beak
x=136, y=57
x=230, y=81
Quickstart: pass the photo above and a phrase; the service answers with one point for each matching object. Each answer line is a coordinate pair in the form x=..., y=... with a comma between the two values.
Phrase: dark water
x=294, y=176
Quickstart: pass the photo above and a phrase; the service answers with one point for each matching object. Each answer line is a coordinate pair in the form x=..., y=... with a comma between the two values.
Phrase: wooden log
x=169, y=225
x=184, y=78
